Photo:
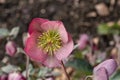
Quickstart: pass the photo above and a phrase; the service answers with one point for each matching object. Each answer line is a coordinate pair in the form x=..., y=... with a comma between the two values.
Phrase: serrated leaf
x=14, y=32
x=9, y=68
x=3, y=32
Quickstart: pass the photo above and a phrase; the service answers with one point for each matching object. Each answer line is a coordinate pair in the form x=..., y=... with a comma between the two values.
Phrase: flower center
x=50, y=41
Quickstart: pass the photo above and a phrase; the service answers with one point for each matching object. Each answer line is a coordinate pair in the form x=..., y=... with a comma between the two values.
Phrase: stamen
x=50, y=41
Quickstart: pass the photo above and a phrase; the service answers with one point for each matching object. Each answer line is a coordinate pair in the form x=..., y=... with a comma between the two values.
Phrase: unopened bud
x=83, y=40
x=11, y=48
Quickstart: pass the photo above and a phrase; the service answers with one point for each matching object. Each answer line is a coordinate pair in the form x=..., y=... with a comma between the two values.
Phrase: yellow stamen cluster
x=50, y=41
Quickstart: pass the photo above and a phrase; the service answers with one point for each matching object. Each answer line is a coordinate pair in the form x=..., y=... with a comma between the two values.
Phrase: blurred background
x=78, y=16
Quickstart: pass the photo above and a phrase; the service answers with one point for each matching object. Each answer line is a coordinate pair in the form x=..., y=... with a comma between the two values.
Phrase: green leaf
x=81, y=66
x=103, y=29
x=43, y=71
x=3, y=32
x=116, y=26
x=78, y=54
x=14, y=32
x=31, y=70
x=116, y=76
x=1, y=72
x=9, y=68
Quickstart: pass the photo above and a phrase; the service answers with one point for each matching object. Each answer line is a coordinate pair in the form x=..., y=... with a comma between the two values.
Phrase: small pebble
x=102, y=9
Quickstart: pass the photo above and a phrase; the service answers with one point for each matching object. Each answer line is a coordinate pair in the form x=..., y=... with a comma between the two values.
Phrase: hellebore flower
x=49, y=42
x=82, y=42
x=15, y=76
x=10, y=48
x=104, y=70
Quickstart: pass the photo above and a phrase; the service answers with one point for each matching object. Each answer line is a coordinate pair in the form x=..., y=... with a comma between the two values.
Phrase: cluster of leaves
x=4, y=32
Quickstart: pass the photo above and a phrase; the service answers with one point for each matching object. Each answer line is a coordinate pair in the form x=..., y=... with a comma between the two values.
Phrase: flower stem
x=64, y=69
x=27, y=67
x=75, y=46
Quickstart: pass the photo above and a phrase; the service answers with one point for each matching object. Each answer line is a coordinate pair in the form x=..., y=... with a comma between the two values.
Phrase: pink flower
x=82, y=42
x=10, y=48
x=15, y=76
x=49, y=42
x=105, y=69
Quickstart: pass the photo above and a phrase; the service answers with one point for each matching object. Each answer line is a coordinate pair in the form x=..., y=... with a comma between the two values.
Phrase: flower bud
x=83, y=40
x=16, y=76
x=110, y=65
x=11, y=48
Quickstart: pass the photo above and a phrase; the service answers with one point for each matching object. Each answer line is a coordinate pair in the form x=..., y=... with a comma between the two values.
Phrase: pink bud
x=15, y=76
x=83, y=39
x=3, y=77
x=110, y=65
x=10, y=48
x=101, y=74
